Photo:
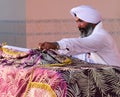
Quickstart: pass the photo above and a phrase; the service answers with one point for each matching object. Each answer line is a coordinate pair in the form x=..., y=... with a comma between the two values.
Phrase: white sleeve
x=82, y=45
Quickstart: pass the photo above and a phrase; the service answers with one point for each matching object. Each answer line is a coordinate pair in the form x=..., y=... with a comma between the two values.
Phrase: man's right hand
x=48, y=45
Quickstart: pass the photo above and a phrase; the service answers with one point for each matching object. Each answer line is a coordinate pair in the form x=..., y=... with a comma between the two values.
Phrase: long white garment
x=99, y=42
x=93, y=58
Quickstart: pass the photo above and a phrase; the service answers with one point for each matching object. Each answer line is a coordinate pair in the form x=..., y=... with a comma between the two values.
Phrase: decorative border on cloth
x=39, y=85
x=50, y=84
x=43, y=86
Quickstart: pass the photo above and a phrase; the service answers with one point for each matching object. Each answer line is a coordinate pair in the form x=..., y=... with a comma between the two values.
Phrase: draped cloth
x=46, y=74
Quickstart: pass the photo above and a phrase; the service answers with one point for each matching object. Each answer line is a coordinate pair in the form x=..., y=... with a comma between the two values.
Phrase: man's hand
x=48, y=45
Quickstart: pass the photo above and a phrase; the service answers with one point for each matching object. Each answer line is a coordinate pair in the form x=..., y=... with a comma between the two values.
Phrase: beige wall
x=50, y=20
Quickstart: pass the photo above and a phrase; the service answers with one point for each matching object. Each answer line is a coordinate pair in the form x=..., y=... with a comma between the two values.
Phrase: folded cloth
x=17, y=48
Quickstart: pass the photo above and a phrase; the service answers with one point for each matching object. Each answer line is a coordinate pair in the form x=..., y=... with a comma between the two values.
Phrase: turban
x=86, y=13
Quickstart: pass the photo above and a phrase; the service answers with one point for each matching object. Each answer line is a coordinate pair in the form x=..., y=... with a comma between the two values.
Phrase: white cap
x=86, y=13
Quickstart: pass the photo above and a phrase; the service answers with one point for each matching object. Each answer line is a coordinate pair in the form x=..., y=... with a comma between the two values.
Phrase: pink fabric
x=11, y=79
x=14, y=81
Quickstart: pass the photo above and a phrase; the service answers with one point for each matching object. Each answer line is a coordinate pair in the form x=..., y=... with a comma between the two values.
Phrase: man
x=94, y=38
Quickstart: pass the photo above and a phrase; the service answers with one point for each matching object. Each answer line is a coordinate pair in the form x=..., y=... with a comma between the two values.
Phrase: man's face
x=84, y=27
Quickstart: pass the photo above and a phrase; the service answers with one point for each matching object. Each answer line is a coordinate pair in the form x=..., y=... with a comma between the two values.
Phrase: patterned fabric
x=19, y=83
x=94, y=82
x=33, y=57
x=47, y=74
x=51, y=84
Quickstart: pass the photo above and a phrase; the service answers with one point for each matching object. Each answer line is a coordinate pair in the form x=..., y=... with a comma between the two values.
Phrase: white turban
x=86, y=13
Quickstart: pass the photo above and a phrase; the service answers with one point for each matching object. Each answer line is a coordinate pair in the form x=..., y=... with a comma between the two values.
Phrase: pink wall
x=50, y=20
x=59, y=9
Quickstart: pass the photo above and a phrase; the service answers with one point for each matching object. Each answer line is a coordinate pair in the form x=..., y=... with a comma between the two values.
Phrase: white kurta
x=99, y=42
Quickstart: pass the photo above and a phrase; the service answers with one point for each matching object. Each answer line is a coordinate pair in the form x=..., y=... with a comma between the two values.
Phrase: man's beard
x=84, y=32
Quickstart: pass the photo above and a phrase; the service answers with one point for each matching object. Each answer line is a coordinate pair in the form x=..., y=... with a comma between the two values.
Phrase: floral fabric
x=47, y=74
